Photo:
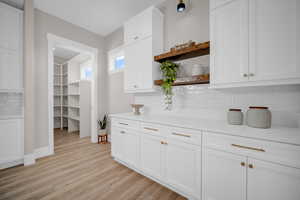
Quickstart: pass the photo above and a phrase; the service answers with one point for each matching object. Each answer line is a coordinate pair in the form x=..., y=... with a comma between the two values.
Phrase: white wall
x=202, y=102
x=44, y=24
x=118, y=101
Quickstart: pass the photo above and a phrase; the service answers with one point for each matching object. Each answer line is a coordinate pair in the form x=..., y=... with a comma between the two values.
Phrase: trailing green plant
x=102, y=123
x=169, y=72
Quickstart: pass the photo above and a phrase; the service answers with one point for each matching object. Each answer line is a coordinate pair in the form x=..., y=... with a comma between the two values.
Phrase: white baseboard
x=42, y=152
x=29, y=159
x=11, y=164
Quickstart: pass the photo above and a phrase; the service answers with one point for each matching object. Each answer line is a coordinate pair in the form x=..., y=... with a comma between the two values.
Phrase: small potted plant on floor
x=102, y=135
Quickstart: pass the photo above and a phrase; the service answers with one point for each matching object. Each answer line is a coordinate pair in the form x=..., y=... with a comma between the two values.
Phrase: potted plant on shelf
x=169, y=73
x=102, y=129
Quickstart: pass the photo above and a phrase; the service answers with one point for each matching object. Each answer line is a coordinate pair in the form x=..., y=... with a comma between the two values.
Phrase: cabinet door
x=151, y=155
x=11, y=140
x=183, y=167
x=139, y=64
x=229, y=42
x=11, y=73
x=138, y=27
x=117, y=143
x=272, y=181
x=274, y=39
x=130, y=147
x=224, y=177
x=10, y=23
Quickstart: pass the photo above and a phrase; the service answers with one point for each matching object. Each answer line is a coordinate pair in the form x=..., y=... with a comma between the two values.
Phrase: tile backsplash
x=11, y=104
x=201, y=102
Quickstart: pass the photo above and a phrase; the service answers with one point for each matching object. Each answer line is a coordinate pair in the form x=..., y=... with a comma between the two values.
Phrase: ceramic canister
x=235, y=117
x=259, y=117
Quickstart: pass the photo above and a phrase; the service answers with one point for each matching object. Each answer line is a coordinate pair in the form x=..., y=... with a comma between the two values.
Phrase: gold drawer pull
x=180, y=134
x=250, y=148
x=162, y=142
x=123, y=124
x=150, y=129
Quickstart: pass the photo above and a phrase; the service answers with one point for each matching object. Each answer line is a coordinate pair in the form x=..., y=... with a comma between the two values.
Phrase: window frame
x=111, y=56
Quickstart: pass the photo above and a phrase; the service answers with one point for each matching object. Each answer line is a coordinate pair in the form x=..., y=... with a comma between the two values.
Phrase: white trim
x=29, y=159
x=56, y=41
x=42, y=152
x=11, y=164
x=291, y=81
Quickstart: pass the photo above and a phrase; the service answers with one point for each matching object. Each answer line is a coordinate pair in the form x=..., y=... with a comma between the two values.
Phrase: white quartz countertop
x=275, y=133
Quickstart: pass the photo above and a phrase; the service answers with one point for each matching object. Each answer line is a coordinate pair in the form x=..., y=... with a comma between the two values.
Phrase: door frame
x=56, y=41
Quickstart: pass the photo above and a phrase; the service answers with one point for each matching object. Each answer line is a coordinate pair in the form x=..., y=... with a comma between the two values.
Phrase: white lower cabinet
x=272, y=181
x=224, y=176
x=11, y=142
x=183, y=167
x=208, y=166
x=125, y=146
x=151, y=155
x=227, y=175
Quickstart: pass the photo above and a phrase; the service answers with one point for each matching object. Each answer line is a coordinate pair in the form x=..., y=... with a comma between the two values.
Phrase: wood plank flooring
x=79, y=170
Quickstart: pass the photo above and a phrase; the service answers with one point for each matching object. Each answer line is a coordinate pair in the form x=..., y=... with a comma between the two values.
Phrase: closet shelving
x=71, y=97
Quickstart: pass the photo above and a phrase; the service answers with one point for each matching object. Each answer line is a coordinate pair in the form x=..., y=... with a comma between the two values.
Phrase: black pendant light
x=180, y=6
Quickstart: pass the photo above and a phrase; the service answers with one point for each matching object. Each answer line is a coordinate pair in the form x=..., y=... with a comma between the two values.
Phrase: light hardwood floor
x=79, y=170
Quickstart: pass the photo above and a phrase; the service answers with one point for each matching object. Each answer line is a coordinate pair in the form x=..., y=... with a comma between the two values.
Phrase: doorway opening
x=72, y=89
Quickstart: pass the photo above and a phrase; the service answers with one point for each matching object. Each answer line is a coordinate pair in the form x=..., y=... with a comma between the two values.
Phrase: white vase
x=102, y=132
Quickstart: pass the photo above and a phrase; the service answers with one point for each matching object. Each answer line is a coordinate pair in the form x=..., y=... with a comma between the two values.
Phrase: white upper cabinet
x=11, y=71
x=138, y=27
x=229, y=60
x=143, y=35
x=274, y=39
x=254, y=42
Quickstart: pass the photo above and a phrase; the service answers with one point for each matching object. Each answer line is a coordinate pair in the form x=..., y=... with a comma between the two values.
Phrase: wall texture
x=199, y=101
x=44, y=24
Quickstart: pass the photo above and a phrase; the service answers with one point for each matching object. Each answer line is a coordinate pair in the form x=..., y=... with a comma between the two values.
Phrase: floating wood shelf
x=200, y=49
x=202, y=79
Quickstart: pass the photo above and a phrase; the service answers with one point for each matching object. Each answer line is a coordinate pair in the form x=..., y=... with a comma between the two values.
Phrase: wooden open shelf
x=185, y=53
x=202, y=79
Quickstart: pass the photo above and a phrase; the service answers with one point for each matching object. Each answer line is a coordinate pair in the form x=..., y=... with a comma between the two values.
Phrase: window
x=86, y=71
x=116, y=60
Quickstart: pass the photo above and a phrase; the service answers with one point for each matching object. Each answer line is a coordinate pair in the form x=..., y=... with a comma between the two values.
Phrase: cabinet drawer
x=271, y=151
x=124, y=123
x=153, y=129
x=185, y=135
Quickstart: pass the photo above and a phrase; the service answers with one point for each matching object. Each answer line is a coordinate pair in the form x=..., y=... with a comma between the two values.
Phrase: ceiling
x=98, y=16
x=64, y=54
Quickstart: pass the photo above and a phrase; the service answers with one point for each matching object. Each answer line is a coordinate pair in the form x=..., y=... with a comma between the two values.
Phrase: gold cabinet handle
x=251, y=166
x=246, y=147
x=243, y=164
x=123, y=124
x=150, y=129
x=162, y=142
x=180, y=134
